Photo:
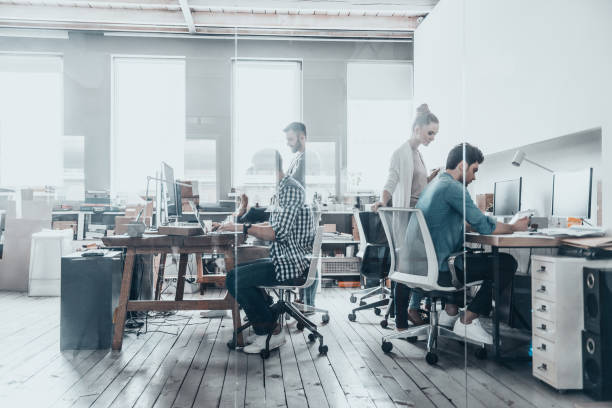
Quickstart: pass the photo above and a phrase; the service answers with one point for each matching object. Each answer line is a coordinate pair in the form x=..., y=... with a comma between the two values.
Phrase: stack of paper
x=598, y=242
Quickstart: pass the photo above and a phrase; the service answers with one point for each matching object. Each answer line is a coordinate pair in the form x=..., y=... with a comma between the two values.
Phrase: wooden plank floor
x=185, y=363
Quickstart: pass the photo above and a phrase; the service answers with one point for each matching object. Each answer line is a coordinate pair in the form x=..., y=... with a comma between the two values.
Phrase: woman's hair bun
x=423, y=109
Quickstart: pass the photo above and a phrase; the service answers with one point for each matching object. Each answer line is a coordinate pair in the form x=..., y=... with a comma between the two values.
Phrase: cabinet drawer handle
x=542, y=308
x=542, y=347
x=542, y=327
x=542, y=289
x=542, y=367
x=542, y=269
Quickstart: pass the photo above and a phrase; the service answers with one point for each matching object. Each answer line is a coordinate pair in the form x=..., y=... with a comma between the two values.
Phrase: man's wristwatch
x=245, y=227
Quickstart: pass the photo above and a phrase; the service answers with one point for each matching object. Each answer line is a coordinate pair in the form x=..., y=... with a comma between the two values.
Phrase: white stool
x=46, y=253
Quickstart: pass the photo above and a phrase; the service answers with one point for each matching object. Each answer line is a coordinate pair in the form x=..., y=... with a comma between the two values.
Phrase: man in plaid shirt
x=291, y=231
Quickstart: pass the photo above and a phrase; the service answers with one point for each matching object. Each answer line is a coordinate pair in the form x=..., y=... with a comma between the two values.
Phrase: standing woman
x=407, y=178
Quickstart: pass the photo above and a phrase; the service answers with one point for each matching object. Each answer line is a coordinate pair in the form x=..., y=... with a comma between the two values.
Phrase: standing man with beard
x=295, y=133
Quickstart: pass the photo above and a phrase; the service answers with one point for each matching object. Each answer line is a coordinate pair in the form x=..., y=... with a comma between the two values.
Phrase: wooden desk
x=165, y=244
x=507, y=241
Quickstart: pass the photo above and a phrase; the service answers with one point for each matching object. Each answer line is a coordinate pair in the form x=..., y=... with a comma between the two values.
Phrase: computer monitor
x=173, y=194
x=507, y=197
x=572, y=193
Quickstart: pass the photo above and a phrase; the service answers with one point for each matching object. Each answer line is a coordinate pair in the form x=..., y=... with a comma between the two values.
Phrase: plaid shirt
x=293, y=225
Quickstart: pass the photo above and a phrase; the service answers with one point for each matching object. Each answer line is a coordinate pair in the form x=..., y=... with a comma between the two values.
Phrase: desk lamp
x=519, y=156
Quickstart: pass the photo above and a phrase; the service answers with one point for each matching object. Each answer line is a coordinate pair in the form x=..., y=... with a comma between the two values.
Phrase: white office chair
x=284, y=305
x=312, y=272
x=415, y=264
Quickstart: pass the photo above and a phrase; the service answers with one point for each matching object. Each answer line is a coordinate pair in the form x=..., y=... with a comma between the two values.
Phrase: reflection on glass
x=201, y=166
x=267, y=96
x=320, y=169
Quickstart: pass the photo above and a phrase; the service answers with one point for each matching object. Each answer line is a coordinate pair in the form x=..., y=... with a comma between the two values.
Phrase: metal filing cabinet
x=558, y=319
x=89, y=293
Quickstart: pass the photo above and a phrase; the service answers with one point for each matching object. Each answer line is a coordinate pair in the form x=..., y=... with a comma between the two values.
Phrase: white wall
x=521, y=71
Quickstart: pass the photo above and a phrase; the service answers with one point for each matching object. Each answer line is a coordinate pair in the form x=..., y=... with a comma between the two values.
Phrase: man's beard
x=296, y=148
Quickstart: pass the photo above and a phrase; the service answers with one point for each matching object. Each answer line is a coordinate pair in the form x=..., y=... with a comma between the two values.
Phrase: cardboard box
x=185, y=203
x=329, y=227
x=121, y=223
x=189, y=191
x=485, y=202
x=63, y=225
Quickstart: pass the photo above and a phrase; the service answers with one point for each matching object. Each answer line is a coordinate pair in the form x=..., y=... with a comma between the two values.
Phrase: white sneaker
x=420, y=337
x=473, y=331
x=251, y=338
x=259, y=343
x=446, y=320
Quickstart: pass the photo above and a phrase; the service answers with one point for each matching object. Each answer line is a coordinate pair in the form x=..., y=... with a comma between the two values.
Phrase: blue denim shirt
x=442, y=206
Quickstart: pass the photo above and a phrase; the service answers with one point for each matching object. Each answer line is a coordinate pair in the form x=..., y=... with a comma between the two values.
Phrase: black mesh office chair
x=375, y=263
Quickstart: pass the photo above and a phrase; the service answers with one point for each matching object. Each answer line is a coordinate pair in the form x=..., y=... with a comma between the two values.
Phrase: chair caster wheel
x=300, y=326
x=352, y=317
x=311, y=337
x=431, y=358
x=264, y=354
x=325, y=318
x=353, y=299
x=377, y=311
x=323, y=349
x=387, y=346
x=481, y=353
x=231, y=344
x=362, y=303
x=384, y=324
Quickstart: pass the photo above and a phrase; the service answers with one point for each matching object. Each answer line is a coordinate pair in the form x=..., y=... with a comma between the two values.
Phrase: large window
x=148, y=120
x=31, y=120
x=379, y=114
x=267, y=97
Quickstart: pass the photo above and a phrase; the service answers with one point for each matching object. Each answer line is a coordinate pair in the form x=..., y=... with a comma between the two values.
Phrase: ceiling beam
x=185, y=19
x=314, y=21
x=188, y=17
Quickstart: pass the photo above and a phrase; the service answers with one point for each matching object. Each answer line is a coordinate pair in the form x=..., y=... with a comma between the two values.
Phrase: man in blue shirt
x=447, y=206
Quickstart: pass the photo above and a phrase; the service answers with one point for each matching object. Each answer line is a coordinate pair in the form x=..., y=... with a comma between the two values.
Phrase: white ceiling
x=341, y=18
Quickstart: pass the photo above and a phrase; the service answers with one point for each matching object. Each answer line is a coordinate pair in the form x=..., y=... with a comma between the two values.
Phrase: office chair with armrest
x=302, y=306
x=284, y=305
x=414, y=263
x=374, y=254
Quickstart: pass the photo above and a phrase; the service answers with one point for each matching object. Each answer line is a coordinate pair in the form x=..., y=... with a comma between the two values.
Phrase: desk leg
x=496, y=299
x=228, y=256
x=200, y=271
x=180, y=282
x=160, y=276
x=121, y=310
x=236, y=319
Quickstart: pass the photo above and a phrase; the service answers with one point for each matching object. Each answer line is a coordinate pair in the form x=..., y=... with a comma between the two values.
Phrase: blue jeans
x=401, y=298
x=243, y=283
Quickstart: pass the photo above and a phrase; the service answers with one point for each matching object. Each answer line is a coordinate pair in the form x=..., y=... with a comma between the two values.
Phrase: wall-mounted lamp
x=519, y=156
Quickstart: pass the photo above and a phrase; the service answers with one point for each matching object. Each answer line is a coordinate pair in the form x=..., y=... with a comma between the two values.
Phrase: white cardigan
x=401, y=172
